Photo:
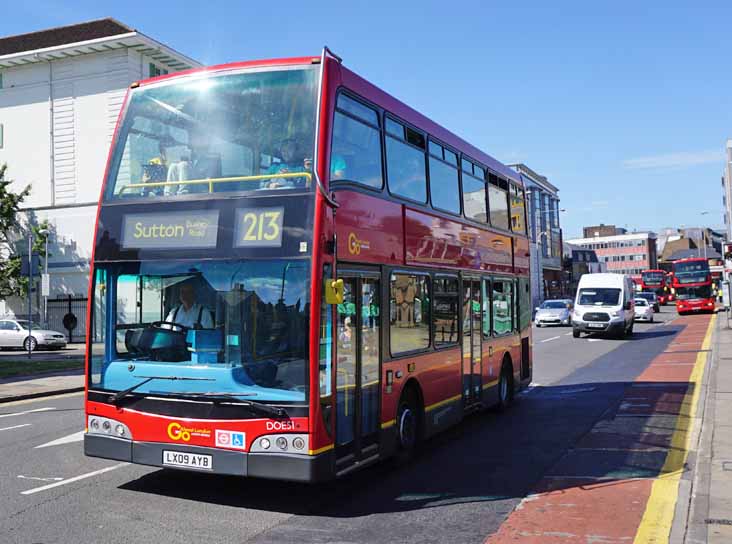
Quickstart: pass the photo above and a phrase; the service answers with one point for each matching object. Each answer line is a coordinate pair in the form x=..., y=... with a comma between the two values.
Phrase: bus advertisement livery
x=295, y=275
x=692, y=283
x=654, y=281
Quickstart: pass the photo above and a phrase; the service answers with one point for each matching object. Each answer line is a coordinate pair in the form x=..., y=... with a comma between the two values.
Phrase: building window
x=356, y=150
x=155, y=71
x=409, y=313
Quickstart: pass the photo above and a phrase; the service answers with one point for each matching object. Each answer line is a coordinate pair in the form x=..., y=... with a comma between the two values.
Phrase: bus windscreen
x=691, y=272
x=246, y=131
x=228, y=327
x=652, y=278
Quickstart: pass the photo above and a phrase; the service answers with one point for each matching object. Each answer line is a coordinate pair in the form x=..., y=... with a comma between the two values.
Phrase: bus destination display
x=171, y=230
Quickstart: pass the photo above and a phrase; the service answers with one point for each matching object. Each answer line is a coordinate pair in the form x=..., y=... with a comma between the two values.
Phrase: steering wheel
x=169, y=326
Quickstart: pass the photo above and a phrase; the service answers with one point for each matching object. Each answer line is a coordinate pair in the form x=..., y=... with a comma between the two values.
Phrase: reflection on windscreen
x=693, y=272
x=690, y=293
x=553, y=305
x=233, y=326
x=599, y=297
x=237, y=132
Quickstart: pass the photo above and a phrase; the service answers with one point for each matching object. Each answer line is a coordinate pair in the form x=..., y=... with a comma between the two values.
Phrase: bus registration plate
x=190, y=460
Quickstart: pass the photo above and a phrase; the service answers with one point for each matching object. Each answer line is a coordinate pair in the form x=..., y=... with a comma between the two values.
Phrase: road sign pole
x=30, y=283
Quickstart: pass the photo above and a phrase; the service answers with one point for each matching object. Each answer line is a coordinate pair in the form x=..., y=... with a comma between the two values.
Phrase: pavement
x=603, y=446
x=46, y=384
x=710, y=512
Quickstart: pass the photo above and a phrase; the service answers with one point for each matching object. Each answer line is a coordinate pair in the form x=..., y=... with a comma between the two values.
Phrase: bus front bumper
x=277, y=466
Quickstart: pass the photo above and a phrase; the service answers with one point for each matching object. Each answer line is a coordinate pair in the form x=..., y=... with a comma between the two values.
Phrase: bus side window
x=356, y=149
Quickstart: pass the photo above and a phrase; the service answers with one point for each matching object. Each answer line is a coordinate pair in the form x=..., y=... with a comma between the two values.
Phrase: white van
x=604, y=303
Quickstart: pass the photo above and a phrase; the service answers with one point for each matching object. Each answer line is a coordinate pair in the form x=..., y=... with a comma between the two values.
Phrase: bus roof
x=369, y=91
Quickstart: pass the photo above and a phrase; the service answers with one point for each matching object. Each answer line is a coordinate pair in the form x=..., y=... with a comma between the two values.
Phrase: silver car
x=643, y=310
x=14, y=334
x=554, y=312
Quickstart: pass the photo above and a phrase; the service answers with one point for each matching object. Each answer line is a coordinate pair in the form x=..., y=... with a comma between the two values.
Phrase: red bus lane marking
x=620, y=481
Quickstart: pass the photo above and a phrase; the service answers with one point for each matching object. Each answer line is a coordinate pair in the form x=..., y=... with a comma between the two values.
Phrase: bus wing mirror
x=334, y=291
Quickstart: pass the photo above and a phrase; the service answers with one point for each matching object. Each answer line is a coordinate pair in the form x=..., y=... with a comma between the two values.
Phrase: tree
x=12, y=234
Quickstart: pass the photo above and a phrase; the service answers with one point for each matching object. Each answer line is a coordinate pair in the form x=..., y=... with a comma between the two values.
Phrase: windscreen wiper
x=255, y=406
x=114, y=399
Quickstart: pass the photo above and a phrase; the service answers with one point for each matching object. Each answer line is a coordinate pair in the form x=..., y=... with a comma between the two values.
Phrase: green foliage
x=12, y=237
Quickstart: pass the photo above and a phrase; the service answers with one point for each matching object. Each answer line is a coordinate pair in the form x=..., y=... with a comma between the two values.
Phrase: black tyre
x=538, y=325
x=505, y=388
x=407, y=423
x=30, y=344
x=575, y=333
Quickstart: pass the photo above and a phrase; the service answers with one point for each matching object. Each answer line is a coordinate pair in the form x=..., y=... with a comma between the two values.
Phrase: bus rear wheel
x=407, y=423
x=505, y=388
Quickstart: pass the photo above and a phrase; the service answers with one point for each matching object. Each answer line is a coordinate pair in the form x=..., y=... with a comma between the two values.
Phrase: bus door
x=358, y=385
x=472, y=321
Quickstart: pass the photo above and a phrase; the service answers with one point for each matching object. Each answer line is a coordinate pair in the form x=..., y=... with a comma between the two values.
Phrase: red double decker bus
x=692, y=285
x=296, y=275
x=654, y=281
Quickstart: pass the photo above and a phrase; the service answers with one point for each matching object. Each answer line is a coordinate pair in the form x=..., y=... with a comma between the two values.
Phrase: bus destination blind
x=171, y=230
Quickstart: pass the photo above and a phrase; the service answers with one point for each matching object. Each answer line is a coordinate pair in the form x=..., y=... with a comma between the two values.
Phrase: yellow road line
x=41, y=399
x=655, y=526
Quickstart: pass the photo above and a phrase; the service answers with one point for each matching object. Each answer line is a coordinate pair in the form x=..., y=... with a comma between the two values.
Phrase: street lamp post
x=43, y=232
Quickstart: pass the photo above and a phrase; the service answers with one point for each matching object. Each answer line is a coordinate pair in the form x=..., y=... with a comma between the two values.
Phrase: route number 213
x=259, y=227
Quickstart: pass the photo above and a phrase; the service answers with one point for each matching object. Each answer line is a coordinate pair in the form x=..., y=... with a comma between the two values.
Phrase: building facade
x=579, y=261
x=623, y=253
x=545, y=235
x=61, y=91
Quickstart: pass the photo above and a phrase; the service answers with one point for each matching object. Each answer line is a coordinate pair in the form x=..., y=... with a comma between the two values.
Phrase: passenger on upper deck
x=201, y=165
x=289, y=152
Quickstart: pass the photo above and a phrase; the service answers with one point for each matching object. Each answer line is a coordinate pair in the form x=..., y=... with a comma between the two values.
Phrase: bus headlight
x=281, y=443
x=265, y=443
x=107, y=426
x=298, y=443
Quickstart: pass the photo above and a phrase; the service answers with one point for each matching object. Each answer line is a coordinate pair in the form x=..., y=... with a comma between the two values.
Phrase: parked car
x=652, y=299
x=604, y=304
x=643, y=310
x=14, y=333
x=554, y=312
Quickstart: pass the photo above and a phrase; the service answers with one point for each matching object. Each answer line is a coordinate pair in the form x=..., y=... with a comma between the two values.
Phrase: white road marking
x=594, y=339
x=15, y=427
x=27, y=412
x=71, y=480
x=51, y=479
x=550, y=339
x=568, y=334
x=74, y=437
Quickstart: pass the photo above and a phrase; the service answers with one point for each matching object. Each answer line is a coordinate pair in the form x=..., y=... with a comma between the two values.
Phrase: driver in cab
x=189, y=313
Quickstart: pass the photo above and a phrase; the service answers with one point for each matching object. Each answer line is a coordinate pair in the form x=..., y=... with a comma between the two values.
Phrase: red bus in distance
x=692, y=285
x=654, y=281
x=296, y=275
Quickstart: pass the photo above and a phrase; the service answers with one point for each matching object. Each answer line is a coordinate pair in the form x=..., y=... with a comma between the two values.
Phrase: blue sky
x=624, y=105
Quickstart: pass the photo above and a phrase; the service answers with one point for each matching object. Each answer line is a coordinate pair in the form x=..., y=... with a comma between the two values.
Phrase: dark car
x=652, y=299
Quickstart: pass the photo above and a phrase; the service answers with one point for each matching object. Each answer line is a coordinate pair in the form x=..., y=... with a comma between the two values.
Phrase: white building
x=60, y=94
x=727, y=191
